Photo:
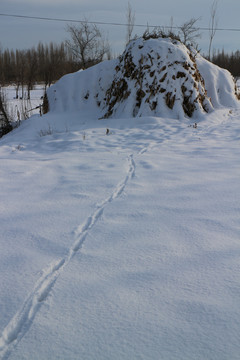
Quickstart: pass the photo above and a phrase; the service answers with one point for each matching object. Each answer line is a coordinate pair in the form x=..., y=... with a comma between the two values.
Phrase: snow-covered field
x=22, y=107
x=123, y=246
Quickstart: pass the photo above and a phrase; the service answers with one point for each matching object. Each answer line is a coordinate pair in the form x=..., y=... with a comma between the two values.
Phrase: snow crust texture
x=153, y=77
x=23, y=319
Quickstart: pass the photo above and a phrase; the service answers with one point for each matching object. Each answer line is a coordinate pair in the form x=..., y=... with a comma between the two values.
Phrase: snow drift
x=153, y=77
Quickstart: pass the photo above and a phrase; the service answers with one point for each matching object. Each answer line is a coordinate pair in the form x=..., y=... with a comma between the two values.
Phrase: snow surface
x=120, y=246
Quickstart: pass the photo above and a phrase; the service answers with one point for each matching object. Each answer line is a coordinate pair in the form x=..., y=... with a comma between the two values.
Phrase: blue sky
x=25, y=33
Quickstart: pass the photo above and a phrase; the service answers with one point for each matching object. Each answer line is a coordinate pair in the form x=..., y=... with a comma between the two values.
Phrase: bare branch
x=212, y=25
x=87, y=44
x=130, y=15
x=189, y=32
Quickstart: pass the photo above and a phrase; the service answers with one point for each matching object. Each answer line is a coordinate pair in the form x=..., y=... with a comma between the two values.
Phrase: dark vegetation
x=230, y=62
x=43, y=64
x=5, y=124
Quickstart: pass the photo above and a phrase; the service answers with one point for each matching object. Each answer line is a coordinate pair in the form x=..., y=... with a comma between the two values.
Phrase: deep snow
x=120, y=246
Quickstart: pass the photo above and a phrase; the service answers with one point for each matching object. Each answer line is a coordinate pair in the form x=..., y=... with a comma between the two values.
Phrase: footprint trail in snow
x=21, y=322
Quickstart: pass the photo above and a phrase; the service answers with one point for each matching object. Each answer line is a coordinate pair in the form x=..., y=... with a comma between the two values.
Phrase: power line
x=108, y=23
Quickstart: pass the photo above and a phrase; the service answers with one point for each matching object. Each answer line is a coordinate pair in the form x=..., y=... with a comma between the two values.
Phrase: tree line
x=231, y=61
x=44, y=63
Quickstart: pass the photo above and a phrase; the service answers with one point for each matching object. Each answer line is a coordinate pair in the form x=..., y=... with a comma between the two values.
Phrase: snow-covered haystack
x=157, y=77
x=153, y=77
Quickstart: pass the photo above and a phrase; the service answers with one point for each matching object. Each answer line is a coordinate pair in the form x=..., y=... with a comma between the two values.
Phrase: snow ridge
x=22, y=320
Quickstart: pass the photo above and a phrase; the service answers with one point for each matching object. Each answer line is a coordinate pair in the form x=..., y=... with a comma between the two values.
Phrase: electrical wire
x=108, y=23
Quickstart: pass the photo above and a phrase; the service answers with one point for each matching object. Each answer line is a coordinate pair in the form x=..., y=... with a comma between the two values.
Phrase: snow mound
x=83, y=90
x=219, y=84
x=153, y=77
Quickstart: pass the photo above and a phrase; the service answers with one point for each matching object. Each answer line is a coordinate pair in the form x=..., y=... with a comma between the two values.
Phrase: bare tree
x=212, y=25
x=21, y=69
x=130, y=15
x=171, y=24
x=87, y=44
x=31, y=70
x=189, y=32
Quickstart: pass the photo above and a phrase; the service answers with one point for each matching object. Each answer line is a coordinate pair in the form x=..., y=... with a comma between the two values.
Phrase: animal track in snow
x=82, y=230
x=21, y=322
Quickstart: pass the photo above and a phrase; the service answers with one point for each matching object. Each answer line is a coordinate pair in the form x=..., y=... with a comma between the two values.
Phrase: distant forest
x=230, y=62
x=47, y=63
